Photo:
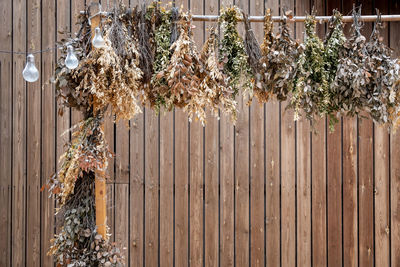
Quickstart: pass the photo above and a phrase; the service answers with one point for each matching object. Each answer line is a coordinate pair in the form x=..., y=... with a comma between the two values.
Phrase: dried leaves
x=279, y=61
x=233, y=53
x=311, y=87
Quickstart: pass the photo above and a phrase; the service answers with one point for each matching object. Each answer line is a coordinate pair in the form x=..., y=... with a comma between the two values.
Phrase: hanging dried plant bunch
x=111, y=80
x=279, y=59
x=334, y=44
x=144, y=34
x=162, y=39
x=232, y=52
x=383, y=99
x=253, y=54
x=352, y=75
x=311, y=87
x=184, y=74
x=215, y=83
x=87, y=152
x=78, y=243
x=64, y=80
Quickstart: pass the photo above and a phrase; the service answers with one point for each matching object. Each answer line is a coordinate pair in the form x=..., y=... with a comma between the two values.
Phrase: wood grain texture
x=257, y=176
x=6, y=124
x=19, y=137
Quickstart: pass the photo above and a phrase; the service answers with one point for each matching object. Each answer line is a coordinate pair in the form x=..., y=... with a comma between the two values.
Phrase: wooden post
x=100, y=184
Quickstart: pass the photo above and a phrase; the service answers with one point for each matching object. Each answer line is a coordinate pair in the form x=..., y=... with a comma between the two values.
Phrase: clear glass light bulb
x=71, y=61
x=30, y=72
x=98, y=40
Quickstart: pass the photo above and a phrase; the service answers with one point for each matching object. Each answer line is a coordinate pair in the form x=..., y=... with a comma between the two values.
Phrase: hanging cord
x=27, y=53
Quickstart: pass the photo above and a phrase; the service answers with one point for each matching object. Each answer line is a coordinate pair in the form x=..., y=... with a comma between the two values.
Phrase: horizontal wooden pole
x=321, y=19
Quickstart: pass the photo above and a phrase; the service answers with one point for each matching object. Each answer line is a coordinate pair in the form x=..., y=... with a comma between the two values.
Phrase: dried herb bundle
x=383, y=99
x=215, y=83
x=253, y=54
x=87, y=152
x=65, y=81
x=162, y=39
x=184, y=73
x=233, y=53
x=78, y=243
x=111, y=80
x=352, y=75
x=334, y=44
x=279, y=59
x=311, y=87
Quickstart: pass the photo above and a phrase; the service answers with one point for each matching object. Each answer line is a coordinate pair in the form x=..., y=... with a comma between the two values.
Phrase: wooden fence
x=265, y=192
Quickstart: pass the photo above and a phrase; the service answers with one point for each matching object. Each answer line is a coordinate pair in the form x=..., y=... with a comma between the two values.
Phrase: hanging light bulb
x=98, y=40
x=30, y=72
x=71, y=61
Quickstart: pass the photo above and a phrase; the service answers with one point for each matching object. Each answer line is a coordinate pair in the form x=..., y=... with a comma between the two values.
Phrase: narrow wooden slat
x=19, y=136
x=33, y=155
x=350, y=181
x=181, y=180
x=334, y=185
x=288, y=179
x=242, y=172
x=382, y=168
x=272, y=162
x=136, y=203
x=257, y=176
x=121, y=221
x=196, y=165
x=151, y=188
x=48, y=123
x=394, y=159
x=211, y=172
x=6, y=121
x=111, y=210
x=366, y=175
x=303, y=148
x=166, y=187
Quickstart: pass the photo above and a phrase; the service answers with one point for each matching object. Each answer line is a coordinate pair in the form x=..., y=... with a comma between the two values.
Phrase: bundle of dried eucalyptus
x=311, y=88
x=279, y=60
x=233, y=53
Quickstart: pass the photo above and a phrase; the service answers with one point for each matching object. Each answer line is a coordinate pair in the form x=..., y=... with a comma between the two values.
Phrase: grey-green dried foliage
x=162, y=40
x=352, y=77
x=253, y=54
x=334, y=44
x=64, y=79
x=78, y=243
x=232, y=52
x=279, y=58
x=383, y=98
x=311, y=88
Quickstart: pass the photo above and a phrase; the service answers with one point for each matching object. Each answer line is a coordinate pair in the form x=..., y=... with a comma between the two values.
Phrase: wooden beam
x=100, y=183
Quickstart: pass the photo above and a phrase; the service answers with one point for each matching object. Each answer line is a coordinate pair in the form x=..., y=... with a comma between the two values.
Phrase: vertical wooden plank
x=48, y=127
x=350, y=181
x=242, y=171
x=211, y=173
x=394, y=159
x=151, y=187
x=227, y=180
x=19, y=136
x=334, y=185
x=257, y=175
x=33, y=155
x=272, y=162
x=181, y=180
x=121, y=222
x=318, y=169
x=136, y=203
x=303, y=162
x=6, y=124
x=166, y=187
x=366, y=175
x=382, y=168
x=196, y=164
x=288, y=179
